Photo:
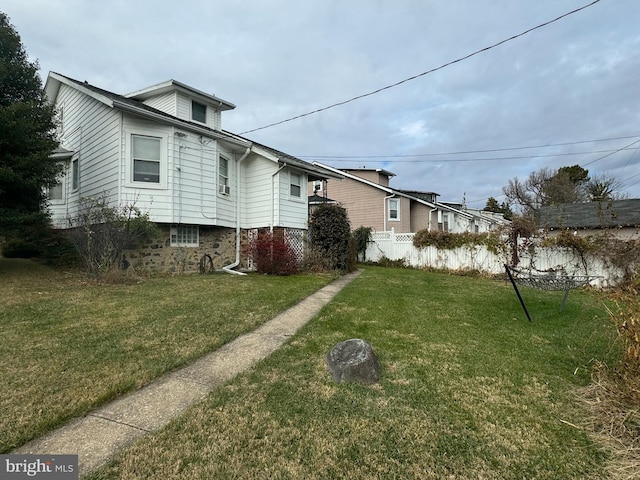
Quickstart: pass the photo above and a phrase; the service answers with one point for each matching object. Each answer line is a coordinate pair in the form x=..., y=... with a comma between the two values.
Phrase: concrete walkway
x=97, y=437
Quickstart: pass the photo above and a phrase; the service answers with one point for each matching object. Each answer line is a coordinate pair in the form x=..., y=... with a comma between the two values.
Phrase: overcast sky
x=574, y=82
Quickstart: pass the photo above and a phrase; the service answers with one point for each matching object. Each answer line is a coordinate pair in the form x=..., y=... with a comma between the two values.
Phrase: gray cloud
x=570, y=81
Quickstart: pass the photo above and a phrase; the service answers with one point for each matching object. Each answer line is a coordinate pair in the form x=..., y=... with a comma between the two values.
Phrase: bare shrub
x=101, y=233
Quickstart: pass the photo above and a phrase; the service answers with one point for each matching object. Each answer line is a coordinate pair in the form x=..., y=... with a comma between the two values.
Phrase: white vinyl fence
x=536, y=260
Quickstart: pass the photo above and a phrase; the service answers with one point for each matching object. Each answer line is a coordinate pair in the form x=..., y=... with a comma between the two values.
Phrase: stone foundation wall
x=159, y=256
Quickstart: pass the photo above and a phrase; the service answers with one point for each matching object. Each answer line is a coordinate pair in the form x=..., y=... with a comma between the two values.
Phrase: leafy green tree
x=566, y=186
x=27, y=138
x=492, y=205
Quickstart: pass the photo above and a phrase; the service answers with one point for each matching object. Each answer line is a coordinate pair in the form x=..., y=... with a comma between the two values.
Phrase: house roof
x=377, y=170
x=606, y=214
x=314, y=171
x=133, y=104
x=428, y=196
x=61, y=153
x=317, y=199
x=174, y=85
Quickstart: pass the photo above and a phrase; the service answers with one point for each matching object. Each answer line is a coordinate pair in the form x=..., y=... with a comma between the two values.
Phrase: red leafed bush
x=271, y=254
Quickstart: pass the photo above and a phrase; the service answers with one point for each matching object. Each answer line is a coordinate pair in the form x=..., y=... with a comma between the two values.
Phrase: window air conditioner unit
x=224, y=189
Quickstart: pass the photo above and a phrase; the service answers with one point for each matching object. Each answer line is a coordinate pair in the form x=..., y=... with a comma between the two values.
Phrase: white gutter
x=229, y=268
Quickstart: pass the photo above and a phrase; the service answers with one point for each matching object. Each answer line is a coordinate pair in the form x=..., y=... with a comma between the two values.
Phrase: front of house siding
x=90, y=129
x=293, y=210
x=368, y=206
x=258, y=205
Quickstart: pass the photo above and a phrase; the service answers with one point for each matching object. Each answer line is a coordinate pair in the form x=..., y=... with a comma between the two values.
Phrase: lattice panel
x=295, y=238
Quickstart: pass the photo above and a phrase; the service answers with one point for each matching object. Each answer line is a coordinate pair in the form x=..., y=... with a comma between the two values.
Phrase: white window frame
x=184, y=236
x=223, y=178
x=397, y=209
x=206, y=111
x=295, y=187
x=60, y=181
x=444, y=221
x=131, y=182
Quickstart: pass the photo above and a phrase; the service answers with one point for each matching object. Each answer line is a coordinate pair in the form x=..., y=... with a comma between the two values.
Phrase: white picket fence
x=539, y=259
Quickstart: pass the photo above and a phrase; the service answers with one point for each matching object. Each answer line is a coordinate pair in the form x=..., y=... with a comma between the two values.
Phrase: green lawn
x=69, y=344
x=469, y=389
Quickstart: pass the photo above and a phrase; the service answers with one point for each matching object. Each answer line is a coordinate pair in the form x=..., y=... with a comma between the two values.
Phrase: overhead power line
x=626, y=147
x=493, y=159
x=482, y=50
x=466, y=152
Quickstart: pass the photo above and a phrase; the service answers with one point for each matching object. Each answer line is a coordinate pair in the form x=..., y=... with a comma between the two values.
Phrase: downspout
x=273, y=195
x=229, y=268
x=434, y=209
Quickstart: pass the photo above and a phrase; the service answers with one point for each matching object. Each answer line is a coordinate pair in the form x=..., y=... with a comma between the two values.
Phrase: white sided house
x=164, y=150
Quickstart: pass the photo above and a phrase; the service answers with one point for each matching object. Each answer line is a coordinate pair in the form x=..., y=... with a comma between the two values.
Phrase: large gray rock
x=353, y=361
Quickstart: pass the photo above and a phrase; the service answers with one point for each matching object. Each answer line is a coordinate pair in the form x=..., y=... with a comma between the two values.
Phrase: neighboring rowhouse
x=618, y=217
x=163, y=149
x=370, y=202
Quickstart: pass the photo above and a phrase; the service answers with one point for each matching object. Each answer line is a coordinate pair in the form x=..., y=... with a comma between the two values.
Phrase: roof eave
x=170, y=85
x=180, y=123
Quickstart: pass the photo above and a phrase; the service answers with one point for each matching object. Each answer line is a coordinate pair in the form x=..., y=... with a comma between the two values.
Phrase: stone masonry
x=158, y=255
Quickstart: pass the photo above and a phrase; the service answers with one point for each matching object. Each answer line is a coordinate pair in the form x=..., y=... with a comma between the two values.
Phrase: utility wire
x=506, y=149
x=612, y=153
x=424, y=73
x=494, y=159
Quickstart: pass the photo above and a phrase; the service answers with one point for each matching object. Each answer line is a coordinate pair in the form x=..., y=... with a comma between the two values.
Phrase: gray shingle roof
x=314, y=172
x=606, y=214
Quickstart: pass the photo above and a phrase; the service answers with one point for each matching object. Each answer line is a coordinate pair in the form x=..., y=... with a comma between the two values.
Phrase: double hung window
x=294, y=188
x=394, y=209
x=223, y=176
x=146, y=158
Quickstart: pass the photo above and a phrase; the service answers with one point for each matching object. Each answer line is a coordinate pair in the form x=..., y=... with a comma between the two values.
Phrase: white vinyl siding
x=292, y=212
x=165, y=102
x=92, y=130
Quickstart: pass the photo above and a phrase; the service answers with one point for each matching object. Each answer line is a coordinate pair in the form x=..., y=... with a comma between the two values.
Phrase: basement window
x=185, y=236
